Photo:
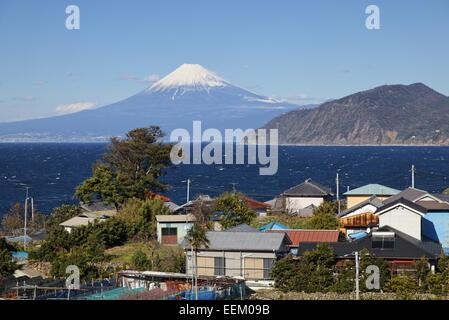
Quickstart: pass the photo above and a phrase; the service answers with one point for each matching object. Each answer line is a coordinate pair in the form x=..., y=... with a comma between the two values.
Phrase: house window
x=267, y=265
x=382, y=241
x=169, y=235
x=219, y=266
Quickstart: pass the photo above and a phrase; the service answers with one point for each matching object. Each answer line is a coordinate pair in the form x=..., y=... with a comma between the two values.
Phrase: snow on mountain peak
x=189, y=75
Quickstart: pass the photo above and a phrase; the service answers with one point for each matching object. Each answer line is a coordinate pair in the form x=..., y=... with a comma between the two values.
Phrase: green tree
x=130, y=168
x=197, y=239
x=367, y=260
x=140, y=261
x=12, y=221
x=314, y=272
x=285, y=273
x=422, y=269
x=7, y=266
x=235, y=211
x=324, y=217
x=61, y=214
x=139, y=216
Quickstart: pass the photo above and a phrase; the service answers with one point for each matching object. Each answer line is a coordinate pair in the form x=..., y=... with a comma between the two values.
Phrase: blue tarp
x=358, y=235
x=19, y=239
x=20, y=255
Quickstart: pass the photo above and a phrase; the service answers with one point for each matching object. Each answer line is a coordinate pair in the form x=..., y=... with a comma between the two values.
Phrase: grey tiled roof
x=309, y=188
x=409, y=194
x=245, y=241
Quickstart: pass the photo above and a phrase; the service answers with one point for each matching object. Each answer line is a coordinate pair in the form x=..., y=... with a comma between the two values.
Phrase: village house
x=91, y=213
x=413, y=195
x=404, y=216
x=427, y=217
x=297, y=237
x=361, y=216
x=239, y=252
x=358, y=195
x=172, y=229
x=261, y=208
x=308, y=194
x=398, y=248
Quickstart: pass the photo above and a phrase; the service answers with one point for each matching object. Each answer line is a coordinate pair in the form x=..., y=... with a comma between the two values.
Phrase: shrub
x=403, y=286
x=140, y=261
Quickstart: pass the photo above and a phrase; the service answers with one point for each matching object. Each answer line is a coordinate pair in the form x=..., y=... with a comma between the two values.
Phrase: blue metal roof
x=273, y=226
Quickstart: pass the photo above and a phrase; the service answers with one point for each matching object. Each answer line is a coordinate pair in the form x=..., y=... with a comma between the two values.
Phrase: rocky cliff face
x=390, y=114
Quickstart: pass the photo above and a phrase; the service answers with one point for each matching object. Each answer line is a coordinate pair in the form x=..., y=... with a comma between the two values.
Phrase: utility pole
x=413, y=176
x=25, y=220
x=30, y=200
x=188, y=190
x=338, y=193
x=357, y=288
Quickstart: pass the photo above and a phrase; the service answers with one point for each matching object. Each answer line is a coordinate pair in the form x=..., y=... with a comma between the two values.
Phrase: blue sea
x=52, y=171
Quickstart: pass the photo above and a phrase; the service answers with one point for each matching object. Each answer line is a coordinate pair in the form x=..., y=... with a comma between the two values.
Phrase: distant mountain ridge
x=387, y=115
x=189, y=93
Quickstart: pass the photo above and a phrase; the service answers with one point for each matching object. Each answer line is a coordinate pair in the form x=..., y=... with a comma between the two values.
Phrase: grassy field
x=164, y=258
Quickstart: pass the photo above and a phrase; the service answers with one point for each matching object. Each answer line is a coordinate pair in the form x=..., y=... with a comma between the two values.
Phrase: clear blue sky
x=303, y=50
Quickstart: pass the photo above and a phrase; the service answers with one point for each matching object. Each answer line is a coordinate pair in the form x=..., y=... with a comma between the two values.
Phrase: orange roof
x=156, y=196
x=254, y=204
x=300, y=236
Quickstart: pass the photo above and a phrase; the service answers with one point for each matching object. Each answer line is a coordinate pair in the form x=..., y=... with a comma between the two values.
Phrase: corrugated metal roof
x=175, y=218
x=372, y=189
x=301, y=236
x=244, y=241
x=242, y=228
x=78, y=221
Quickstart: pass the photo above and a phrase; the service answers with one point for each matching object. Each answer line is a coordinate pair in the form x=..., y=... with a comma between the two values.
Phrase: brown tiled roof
x=301, y=236
x=254, y=204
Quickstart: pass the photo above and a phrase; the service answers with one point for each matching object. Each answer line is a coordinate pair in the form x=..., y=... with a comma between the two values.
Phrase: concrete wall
x=402, y=219
x=234, y=262
x=293, y=204
x=182, y=227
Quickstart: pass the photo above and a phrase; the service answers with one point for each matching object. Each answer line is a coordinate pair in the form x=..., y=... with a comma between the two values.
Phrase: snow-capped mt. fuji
x=189, y=77
x=189, y=93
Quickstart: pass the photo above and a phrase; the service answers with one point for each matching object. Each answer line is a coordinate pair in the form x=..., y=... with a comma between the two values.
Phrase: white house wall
x=366, y=208
x=402, y=219
x=293, y=204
